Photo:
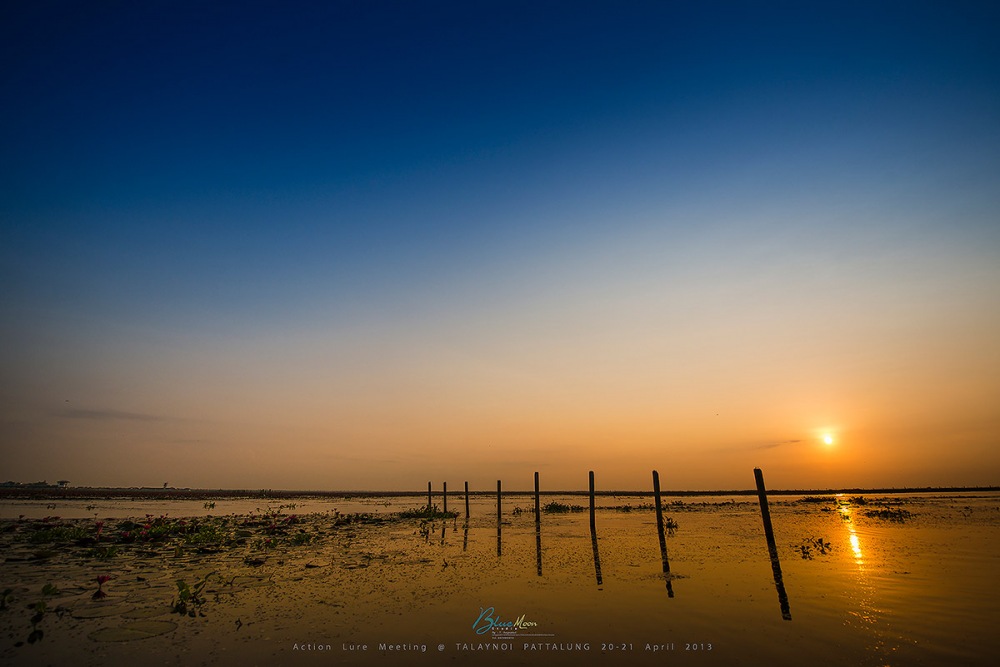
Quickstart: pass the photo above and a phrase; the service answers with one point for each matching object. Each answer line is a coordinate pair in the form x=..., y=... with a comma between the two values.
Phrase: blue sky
x=347, y=205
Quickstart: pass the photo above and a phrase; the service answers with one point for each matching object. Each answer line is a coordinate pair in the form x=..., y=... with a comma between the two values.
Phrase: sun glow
x=827, y=439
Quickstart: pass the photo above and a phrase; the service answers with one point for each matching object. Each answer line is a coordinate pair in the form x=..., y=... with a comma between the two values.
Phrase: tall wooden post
x=593, y=533
x=538, y=528
x=444, y=497
x=466, y=501
x=429, y=503
x=499, y=521
x=765, y=515
x=659, y=530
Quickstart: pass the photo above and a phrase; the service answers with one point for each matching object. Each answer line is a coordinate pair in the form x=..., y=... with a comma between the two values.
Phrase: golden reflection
x=844, y=507
x=856, y=547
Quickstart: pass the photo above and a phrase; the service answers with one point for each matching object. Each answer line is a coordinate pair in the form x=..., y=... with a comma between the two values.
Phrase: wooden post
x=429, y=505
x=659, y=530
x=499, y=520
x=593, y=533
x=444, y=496
x=538, y=528
x=466, y=501
x=772, y=548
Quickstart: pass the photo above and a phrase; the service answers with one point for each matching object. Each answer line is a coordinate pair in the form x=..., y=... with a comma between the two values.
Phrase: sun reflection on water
x=856, y=547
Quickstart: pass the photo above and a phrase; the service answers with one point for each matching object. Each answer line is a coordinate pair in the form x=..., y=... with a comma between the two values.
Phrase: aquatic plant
x=36, y=632
x=189, y=598
x=560, y=508
x=103, y=552
x=57, y=534
x=6, y=597
x=889, y=514
x=101, y=580
x=301, y=537
x=210, y=505
x=427, y=512
x=812, y=545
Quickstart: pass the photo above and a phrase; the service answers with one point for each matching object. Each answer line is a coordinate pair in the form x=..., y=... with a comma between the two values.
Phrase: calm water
x=861, y=589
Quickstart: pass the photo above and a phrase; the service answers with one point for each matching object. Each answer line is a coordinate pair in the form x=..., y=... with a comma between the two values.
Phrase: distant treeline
x=45, y=491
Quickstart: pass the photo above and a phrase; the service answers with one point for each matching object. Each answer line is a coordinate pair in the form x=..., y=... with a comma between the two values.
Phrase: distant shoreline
x=154, y=493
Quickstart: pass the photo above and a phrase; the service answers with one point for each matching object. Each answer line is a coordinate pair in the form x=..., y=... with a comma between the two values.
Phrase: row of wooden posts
x=764, y=512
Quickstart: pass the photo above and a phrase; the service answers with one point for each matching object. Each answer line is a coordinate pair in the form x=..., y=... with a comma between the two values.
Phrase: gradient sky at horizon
x=363, y=245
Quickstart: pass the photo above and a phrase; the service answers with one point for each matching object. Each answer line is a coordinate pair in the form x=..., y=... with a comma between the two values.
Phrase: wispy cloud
x=757, y=446
x=106, y=415
x=772, y=445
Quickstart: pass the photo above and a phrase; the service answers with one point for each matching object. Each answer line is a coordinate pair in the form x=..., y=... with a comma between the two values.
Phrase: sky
x=366, y=245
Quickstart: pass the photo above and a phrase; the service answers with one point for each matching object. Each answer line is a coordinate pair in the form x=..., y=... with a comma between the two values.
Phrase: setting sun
x=827, y=439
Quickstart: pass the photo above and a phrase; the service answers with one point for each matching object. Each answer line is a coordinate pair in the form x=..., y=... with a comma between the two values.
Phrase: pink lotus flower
x=101, y=580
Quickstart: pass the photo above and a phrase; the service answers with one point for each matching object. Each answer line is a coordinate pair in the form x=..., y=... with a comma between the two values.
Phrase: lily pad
x=146, y=613
x=133, y=631
x=101, y=611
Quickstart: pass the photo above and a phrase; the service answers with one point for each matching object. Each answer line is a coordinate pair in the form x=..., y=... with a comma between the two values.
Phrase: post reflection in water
x=465, y=536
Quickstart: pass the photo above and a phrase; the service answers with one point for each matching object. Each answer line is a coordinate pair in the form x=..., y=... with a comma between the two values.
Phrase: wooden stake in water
x=466, y=501
x=499, y=520
x=593, y=533
x=659, y=530
x=429, y=505
x=444, y=498
x=772, y=548
x=538, y=528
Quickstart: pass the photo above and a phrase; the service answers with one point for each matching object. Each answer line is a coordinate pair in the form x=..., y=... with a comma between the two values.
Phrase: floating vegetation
x=889, y=514
x=36, y=632
x=189, y=598
x=300, y=538
x=817, y=499
x=812, y=546
x=103, y=552
x=427, y=512
x=559, y=508
x=57, y=534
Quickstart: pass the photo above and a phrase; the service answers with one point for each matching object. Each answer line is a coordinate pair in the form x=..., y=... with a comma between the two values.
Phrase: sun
x=827, y=439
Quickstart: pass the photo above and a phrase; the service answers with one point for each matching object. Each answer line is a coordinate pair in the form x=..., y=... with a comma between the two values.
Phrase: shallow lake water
x=884, y=580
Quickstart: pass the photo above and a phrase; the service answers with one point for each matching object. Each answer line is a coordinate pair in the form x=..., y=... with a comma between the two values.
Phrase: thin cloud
x=772, y=445
x=756, y=446
x=106, y=415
